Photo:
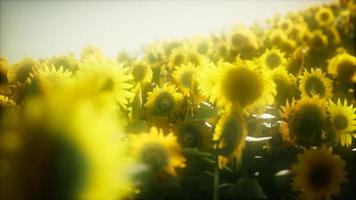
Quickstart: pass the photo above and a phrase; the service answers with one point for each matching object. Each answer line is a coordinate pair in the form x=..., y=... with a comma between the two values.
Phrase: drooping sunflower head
x=244, y=84
x=343, y=66
x=106, y=78
x=315, y=83
x=194, y=134
x=324, y=16
x=304, y=121
x=67, y=62
x=20, y=71
x=286, y=85
x=91, y=50
x=230, y=133
x=4, y=68
x=343, y=121
x=273, y=58
x=164, y=101
x=185, y=76
x=141, y=72
x=157, y=151
x=318, y=174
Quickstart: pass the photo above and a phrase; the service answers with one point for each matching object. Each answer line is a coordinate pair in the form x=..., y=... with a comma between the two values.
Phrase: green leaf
x=247, y=188
x=136, y=127
x=205, y=112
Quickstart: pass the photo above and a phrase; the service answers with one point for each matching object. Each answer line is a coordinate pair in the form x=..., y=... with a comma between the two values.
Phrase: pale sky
x=47, y=28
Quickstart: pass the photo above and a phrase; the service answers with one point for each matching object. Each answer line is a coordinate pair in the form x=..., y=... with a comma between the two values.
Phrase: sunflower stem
x=216, y=173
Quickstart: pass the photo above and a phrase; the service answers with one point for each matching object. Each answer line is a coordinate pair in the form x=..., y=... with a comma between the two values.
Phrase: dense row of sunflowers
x=266, y=111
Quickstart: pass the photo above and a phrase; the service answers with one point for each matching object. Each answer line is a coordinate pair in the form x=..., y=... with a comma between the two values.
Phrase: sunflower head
x=124, y=58
x=177, y=57
x=315, y=83
x=230, y=133
x=343, y=66
x=157, y=151
x=91, y=50
x=20, y=71
x=243, y=84
x=343, y=121
x=324, y=16
x=185, y=76
x=318, y=40
x=243, y=41
x=277, y=36
x=164, y=101
x=304, y=121
x=203, y=45
x=141, y=72
x=4, y=68
x=286, y=85
x=318, y=174
x=273, y=58
x=194, y=134
x=207, y=81
x=67, y=62
x=5, y=103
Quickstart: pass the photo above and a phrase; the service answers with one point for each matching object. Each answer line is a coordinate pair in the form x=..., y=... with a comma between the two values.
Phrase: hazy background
x=47, y=28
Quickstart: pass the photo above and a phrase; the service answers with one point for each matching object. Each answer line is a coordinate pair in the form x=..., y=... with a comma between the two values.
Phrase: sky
x=47, y=28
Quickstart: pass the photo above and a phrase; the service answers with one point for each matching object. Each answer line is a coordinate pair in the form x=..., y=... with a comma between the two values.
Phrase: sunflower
x=194, y=134
x=106, y=77
x=295, y=63
x=286, y=85
x=324, y=16
x=273, y=58
x=4, y=68
x=230, y=133
x=343, y=66
x=159, y=152
x=207, y=81
x=343, y=120
x=91, y=50
x=185, y=76
x=203, y=45
x=177, y=57
x=244, y=84
x=164, y=101
x=20, y=71
x=5, y=103
x=315, y=83
x=67, y=62
x=124, y=58
x=318, y=174
x=141, y=72
x=243, y=41
x=318, y=40
x=277, y=36
x=304, y=121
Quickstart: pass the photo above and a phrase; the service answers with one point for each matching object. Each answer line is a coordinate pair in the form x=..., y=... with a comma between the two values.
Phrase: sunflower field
x=266, y=111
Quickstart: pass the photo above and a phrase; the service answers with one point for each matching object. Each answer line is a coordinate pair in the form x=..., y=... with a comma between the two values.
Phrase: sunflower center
x=273, y=60
x=314, y=85
x=230, y=136
x=164, y=103
x=325, y=16
x=307, y=122
x=139, y=72
x=202, y=48
x=320, y=176
x=154, y=155
x=108, y=85
x=186, y=79
x=238, y=39
x=190, y=136
x=345, y=70
x=340, y=122
x=243, y=86
x=178, y=60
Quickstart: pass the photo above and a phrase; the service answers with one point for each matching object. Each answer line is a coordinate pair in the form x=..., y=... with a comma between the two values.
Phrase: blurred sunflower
x=318, y=174
x=159, y=152
x=207, y=81
x=343, y=66
x=185, y=76
x=67, y=62
x=304, y=121
x=315, y=83
x=203, y=45
x=318, y=40
x=91, y=50
x=192, y=56
x=273, y=58
x=244, y=84
x=324, y=16
x=124, y=58
x=295, y=63
x=230, y=133
x=243, y=39
x=5, y=103
x=177, y=57
x=106, y=77
x=194, y=134
x=4, y=68
x=20, y=71
x=286, y=85
x=164, y=101
x=276, y=37
x=343, y=121
x=141, y=72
